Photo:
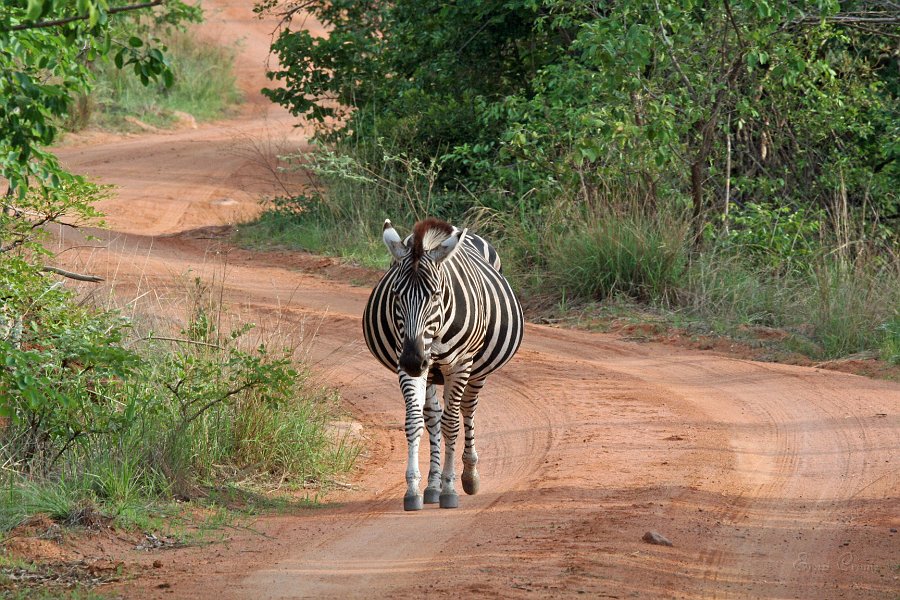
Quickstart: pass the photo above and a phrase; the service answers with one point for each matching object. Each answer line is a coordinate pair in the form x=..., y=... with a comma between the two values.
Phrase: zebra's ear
x=448, y=247
x=393, y=242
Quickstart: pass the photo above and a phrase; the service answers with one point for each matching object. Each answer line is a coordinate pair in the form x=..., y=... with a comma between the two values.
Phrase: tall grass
x=205, y=88
x=293, y=223
x=205, y=404
x=345, y=219
x=834, y=285
x=840, y=308
x=608, y=253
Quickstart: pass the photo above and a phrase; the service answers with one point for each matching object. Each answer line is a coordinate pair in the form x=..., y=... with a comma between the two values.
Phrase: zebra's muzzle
x=413, y=359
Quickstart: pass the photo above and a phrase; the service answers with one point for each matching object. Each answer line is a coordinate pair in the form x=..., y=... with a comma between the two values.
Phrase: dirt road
x=771, y=481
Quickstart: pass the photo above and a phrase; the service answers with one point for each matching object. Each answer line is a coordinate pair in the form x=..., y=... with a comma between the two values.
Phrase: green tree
x=56, y=356
x=707, y=103
x=46, y=47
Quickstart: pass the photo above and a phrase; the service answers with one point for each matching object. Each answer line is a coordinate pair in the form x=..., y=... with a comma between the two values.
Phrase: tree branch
x=71, y=275
x=64, y=21
x=885, y=19
x=737, y=30
x=671, y=51
x=214, y=401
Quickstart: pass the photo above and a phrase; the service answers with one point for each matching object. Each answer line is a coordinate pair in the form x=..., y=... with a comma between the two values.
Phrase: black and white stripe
x=443, y=314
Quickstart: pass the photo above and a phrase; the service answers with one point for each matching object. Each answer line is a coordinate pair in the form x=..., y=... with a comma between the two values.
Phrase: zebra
x=443, y=314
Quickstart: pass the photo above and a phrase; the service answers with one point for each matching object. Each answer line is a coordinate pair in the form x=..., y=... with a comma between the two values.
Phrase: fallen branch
x=71, y=275
x=864, y=355
x=180, y=340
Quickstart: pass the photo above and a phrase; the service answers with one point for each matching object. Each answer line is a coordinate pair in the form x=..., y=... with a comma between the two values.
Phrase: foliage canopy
x=788, y=102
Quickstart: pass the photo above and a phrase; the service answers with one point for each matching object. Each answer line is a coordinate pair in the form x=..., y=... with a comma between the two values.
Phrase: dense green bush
x=785, y=103
x=114, y=419
x=735, y=161
x=775, y=237
x=60, y=362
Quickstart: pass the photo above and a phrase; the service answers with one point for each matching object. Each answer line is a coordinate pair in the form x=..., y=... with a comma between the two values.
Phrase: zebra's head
x=420, y=291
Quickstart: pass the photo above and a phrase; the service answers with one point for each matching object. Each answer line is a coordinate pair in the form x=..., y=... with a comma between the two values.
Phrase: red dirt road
x=771, y=481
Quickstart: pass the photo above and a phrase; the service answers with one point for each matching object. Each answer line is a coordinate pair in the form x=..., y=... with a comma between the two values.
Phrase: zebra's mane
x=428, y=235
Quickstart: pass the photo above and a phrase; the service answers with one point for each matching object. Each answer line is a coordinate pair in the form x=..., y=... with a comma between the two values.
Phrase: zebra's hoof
x=432, y=495
x=471, y=482
x=449, y=500
x=412, y=503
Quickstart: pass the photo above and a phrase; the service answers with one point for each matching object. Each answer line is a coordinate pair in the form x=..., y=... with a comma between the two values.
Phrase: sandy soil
x=771, y=481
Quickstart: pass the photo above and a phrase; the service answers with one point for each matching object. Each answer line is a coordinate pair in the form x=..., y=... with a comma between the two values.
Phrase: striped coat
x=443, y=314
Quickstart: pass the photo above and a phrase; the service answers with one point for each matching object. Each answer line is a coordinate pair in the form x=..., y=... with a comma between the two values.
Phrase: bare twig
x=880, y=19
x=180, y=340
x=214, y=401
x=727, y=173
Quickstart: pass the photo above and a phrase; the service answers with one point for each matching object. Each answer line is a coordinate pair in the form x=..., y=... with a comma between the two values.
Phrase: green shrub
x=59, y=365
x=777, y=237
x=93, y=414
x=610, y=253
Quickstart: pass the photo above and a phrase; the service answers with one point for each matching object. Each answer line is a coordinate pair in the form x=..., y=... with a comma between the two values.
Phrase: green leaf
x=34, y=10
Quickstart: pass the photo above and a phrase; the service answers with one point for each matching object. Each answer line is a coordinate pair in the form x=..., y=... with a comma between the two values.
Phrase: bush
x=94, y=414
x=777, y=237
x=60, y=364
x=607, y=254
x=781, y=103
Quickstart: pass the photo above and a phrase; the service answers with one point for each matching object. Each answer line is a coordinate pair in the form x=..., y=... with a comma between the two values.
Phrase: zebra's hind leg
x=468, y=404
x=433, y=424
x=454, y=385
x=414, y=396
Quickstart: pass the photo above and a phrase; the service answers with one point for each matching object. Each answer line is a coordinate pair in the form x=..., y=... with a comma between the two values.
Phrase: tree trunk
x=697, y=172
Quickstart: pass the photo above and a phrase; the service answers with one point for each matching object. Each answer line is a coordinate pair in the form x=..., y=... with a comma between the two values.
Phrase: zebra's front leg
x=468, y=404
x=414, y=396
x=454, y=385
x=433, y=423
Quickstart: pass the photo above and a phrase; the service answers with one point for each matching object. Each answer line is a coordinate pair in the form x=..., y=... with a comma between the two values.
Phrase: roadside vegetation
x=105, y=416
x=731, y=165
x=203, y=88
x=202, y=85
